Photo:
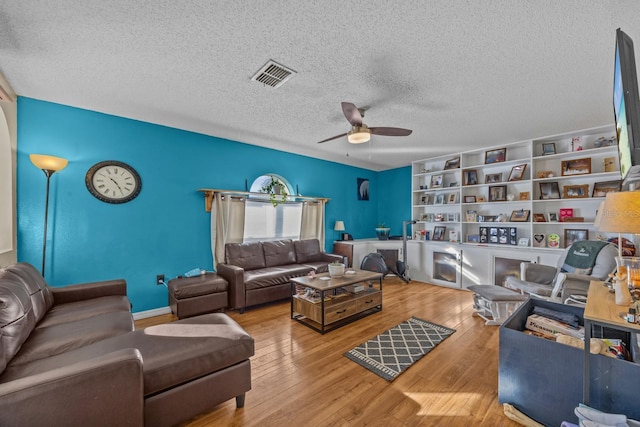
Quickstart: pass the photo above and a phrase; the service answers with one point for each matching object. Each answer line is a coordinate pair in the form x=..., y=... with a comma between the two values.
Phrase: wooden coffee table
x=337, y=300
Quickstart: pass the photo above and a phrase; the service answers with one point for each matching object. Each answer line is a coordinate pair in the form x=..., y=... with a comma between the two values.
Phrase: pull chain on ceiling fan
x=360, y=132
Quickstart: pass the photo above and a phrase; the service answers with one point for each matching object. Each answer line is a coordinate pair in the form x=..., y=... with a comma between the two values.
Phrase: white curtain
x=227, y=224
x=312, y=224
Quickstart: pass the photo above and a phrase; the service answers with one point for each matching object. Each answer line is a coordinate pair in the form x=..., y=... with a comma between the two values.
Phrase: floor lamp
x=49, y=165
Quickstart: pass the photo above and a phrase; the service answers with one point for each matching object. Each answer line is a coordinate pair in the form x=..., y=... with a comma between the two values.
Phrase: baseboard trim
x=151, y=313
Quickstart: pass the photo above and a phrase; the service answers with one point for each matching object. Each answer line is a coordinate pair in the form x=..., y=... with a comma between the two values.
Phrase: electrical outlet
x=160, y=279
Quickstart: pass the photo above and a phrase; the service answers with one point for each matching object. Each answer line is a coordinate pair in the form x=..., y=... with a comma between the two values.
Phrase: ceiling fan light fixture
x=359, y=135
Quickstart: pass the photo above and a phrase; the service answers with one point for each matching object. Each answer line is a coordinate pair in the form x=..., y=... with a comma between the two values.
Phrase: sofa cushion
x=173, y=353
x=46, y=342
x=279, y=252
x=30, y=278
x=308, y=251
x=16, y=319
x=248, y=256
x=78, y=310
x=265, y=277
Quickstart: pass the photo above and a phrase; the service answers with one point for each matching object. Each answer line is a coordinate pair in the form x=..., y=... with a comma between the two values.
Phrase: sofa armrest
x=234, y=275
x=329, y=258
x=106, y=390
x=83, y=291
x=537, y=273
x=576, y=284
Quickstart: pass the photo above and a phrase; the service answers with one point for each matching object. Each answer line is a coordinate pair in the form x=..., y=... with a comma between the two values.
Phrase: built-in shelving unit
x=511, y=188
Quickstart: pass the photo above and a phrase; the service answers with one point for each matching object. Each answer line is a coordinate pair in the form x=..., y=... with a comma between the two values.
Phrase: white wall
x=8, y=148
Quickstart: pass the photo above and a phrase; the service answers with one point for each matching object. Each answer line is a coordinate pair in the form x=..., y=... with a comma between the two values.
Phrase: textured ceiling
x=461, y=74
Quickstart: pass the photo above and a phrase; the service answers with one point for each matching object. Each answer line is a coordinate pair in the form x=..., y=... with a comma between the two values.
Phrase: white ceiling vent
x=273, y=74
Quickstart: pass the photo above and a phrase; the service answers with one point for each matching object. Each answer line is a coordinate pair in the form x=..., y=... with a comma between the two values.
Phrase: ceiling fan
x=360, y=132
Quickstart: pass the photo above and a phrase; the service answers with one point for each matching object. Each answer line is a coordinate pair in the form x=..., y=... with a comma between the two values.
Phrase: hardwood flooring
x=300, y=377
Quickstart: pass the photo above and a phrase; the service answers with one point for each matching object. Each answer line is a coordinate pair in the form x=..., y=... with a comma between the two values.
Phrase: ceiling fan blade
x=352, y=114
x=385, y=131
x=333, y=137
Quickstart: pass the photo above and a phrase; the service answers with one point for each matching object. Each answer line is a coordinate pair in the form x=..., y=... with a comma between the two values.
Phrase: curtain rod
x=209, y=194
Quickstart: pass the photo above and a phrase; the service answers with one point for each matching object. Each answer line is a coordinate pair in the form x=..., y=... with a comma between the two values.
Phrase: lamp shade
x=46, y=162
x=339, y=226
x=620, y=213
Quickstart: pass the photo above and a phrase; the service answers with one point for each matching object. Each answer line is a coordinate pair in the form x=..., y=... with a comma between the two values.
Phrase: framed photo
x=493, y=178
x=572, y=235
x=548, y=148
x=452, y=163
x=575, y=191
x=438, y=232
x=576, y=166
x=469, y=199
x=523, y=241
x=495, y=156
x=473, y=238
x=470, y=177
x=523, y=195
x=520, y=216
x=439, y=199
x=549, y=190
x=600, y=189
x=552, y=216
x=436, y=181
x=539, y=217
x=452, y=198
x=517, y=172
x=498, y=193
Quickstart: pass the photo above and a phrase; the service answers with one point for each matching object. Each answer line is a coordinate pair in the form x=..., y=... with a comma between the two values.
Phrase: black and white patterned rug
x=393, y=351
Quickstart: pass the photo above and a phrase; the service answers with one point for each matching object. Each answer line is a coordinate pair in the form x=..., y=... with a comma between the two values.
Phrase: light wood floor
x=300, y=377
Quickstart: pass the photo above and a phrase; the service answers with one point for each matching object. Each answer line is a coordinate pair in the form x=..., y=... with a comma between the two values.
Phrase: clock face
x=113, y=182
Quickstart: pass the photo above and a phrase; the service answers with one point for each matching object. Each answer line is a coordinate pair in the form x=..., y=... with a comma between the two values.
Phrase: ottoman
x=495, y=303
x=191, y=296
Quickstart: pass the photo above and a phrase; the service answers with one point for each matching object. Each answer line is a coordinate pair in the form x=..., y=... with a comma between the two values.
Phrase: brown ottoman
x=191, y=296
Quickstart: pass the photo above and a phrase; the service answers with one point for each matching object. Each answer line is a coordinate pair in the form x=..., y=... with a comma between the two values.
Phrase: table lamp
x=619, y=213
x=339, y=226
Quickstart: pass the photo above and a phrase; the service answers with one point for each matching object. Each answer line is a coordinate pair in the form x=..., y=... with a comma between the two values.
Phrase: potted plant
x=336, y=269
x=277, y=191
x=382, y=231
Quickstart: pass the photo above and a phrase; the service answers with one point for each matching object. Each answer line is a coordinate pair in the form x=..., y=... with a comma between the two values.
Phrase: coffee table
x=324, y=303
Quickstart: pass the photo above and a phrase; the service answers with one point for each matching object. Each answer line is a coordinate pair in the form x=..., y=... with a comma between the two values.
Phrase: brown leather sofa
x=70, y=356
x=259, y=272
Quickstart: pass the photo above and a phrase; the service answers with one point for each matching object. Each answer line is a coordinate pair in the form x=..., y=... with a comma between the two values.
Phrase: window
x=263, y=222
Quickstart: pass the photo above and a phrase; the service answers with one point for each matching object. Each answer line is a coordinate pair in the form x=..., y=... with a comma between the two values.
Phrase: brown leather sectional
x=260, y=272
x=70, y=356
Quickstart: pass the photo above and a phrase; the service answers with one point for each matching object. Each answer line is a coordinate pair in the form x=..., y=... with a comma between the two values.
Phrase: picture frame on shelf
x=539, y=217
x=428, y=199
x=439, y=232
x=495, y=156
x=469, y=199
x=580, y=166
x=549, y=190
x=523, y=241
x=552, y=216
x=436, y=181
x=539, y=240
x=470, y=177
x=473, y=238
x=521, y=215
x=600, y=189
x=498, y=193
x=472, y=215
x=452, y=198
x=575, y=191
x=609, y=164
x=439, y=199
x=523, y=195
x=572, y=235
x=493, y=178
x=452, y=163
x=564, y=214
x=517, y=172
x=576, y=143
x=548, y=148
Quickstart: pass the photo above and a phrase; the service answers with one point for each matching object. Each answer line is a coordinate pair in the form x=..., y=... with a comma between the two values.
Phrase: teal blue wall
x=165, y=230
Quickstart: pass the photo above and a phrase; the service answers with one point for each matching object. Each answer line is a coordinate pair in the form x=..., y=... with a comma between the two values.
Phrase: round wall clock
x=113, y=182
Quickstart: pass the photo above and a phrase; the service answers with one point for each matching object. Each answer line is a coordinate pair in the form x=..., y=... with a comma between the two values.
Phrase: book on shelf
x=355, y=288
